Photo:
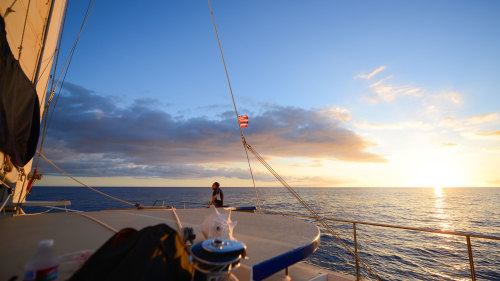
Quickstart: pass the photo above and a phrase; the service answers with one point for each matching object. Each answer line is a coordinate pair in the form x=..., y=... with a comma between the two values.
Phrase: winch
x=215, y=259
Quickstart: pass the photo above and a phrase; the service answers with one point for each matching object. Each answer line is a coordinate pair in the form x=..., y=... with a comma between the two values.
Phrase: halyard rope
x=276, y=175
x=234, y=104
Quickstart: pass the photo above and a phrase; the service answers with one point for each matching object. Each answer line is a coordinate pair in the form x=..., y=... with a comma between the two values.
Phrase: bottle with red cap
x=44, y=264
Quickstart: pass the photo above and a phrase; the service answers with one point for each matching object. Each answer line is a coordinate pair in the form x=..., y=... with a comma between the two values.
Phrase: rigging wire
x=137, y=205
x=24, y=29
x=277, y=176
x=313, y=213
x=64, y=70
x=36, y=73
x=68, y=59
x=46, y=110
x=9, y=9
x=234, y=104
x=52, y=90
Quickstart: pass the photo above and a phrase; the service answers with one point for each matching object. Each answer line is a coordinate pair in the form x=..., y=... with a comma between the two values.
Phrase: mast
x=32, y=30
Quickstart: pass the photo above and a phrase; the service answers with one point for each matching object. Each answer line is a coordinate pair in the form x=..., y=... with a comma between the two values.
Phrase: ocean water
x=394, y=254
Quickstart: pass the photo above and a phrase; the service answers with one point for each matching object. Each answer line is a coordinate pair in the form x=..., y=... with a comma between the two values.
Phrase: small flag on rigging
x=243, y=120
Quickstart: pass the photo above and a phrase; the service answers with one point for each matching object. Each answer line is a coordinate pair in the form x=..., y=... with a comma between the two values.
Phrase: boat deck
x=273, y=242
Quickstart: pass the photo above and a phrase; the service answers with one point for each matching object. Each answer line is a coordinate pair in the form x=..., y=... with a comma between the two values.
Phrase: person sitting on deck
x=217, y=195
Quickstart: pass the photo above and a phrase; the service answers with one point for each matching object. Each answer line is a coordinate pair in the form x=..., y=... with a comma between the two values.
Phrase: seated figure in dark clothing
x=217, y=195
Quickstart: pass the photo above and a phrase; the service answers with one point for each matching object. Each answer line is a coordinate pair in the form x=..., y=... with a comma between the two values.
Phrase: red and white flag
x=243, y=120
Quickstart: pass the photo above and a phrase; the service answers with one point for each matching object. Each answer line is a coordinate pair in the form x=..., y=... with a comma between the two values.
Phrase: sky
x=338, y=94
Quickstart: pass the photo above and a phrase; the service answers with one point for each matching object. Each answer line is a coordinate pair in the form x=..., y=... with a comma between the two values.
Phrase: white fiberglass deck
x=273, y=242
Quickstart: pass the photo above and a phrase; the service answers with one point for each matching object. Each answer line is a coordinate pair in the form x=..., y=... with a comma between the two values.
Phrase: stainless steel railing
x=354, y=223
x=173, y=202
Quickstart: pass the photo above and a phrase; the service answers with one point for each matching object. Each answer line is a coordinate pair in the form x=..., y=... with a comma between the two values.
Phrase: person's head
x=215, y=185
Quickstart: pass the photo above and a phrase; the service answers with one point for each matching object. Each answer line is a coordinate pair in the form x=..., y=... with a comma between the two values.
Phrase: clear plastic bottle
x=43, y=265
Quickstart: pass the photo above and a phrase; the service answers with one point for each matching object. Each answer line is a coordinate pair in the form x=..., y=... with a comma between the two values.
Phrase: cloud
x=334, y=112
x=394, y=126
x=484, y=118
x=370, y=75
x=92, y=135
x=492, y=149
x=317, y=163
x=437, y=102
x=449, y=144
x=486, y=135
x=318, y=181
x=295, y=132
x=385, y=91
x=452, y=97
x=473, y=127
x=493, y=134
x=496, y=182
x=462, y=124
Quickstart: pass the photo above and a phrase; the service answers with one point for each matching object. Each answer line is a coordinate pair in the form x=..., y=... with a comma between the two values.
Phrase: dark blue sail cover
x=19, y=107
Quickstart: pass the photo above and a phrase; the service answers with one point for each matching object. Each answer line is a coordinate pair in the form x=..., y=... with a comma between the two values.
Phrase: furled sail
x=28, y=39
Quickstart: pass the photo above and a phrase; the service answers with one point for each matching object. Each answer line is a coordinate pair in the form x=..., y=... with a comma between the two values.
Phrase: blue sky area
x=338, y=93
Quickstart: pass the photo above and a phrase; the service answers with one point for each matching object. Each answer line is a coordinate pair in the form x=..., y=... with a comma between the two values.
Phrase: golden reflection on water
x=438, y=191
x=441, y=210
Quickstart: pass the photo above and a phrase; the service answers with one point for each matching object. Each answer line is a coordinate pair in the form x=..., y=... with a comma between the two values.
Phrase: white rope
x=5, y=202
x=93, y=189
x=36, y=214
x=179, y=224
x=81, y=213
x=97, y=221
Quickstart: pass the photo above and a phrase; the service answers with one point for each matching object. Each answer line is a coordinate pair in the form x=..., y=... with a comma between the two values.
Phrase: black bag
x=153, y=253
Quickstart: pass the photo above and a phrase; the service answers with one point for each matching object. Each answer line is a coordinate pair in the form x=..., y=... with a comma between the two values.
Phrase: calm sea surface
x=395, y=254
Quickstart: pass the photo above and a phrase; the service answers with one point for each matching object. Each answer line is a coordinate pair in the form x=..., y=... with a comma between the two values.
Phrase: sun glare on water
x=438, y=191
